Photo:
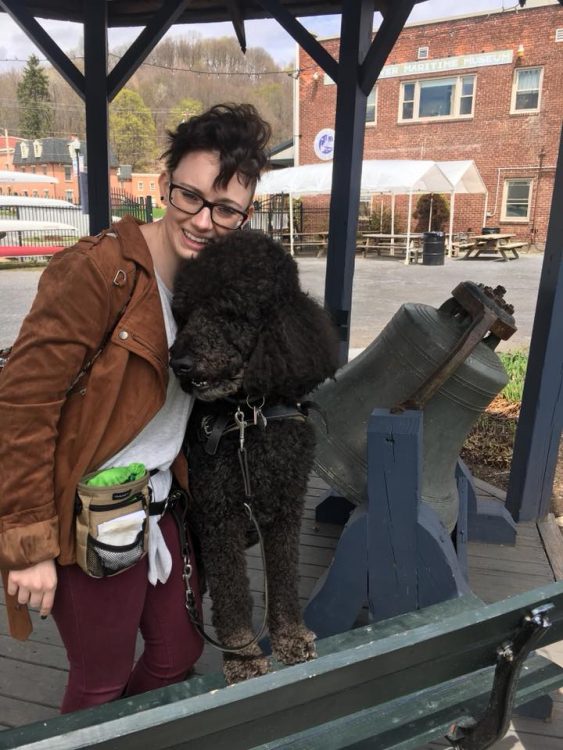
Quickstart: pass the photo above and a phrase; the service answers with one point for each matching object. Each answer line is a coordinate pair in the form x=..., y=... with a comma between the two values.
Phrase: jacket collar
x=133, y=244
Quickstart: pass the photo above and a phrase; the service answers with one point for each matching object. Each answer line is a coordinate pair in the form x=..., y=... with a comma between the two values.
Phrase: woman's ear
x=163, y=184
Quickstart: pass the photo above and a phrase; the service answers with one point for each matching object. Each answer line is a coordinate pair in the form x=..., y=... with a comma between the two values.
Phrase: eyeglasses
x=192, y=203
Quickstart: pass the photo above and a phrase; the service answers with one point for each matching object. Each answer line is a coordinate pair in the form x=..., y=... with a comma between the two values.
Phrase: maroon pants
x=99, y=620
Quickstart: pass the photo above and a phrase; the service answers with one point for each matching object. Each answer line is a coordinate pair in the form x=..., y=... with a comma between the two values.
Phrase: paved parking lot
x=380, y=287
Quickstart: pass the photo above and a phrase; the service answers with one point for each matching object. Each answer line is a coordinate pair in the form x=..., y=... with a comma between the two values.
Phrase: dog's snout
x=182, y=365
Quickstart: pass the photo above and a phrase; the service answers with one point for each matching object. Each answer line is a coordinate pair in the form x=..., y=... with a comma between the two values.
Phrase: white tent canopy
x=393, y=176
x=8, y=176
x=465, y=178
x=378, y=176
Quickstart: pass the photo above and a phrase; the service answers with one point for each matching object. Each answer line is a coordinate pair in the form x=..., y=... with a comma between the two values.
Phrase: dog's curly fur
x=245, y=328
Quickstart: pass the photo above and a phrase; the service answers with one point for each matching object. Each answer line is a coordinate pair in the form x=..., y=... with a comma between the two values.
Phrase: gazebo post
x=407, y=251
x=451, y=232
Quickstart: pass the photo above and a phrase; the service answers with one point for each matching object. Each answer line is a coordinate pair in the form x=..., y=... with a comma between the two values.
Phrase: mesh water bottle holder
x=106, y=560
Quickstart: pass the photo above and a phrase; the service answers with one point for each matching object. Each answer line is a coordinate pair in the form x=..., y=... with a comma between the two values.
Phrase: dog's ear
x=296, y=351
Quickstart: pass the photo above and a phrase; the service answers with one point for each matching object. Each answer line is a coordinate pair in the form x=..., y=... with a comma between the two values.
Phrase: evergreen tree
x=34, y=99
x=435, y=204
x=132, y=130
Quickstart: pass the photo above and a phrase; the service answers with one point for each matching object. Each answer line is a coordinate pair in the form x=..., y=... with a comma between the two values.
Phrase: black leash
x=177, y=502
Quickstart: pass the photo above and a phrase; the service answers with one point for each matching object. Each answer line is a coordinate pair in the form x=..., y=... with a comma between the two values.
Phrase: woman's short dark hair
x=235, y=131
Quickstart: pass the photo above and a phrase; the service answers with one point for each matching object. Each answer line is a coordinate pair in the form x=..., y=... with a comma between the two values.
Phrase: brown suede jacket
x=48, y=439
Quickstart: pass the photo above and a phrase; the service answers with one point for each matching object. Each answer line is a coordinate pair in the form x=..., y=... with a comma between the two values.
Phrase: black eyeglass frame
x=205, y=204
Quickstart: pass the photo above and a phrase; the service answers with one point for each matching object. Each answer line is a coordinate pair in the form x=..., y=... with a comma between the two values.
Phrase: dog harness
x=240, y=415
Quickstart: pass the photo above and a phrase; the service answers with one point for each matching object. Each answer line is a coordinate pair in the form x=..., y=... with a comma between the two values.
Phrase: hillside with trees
x=182, y=76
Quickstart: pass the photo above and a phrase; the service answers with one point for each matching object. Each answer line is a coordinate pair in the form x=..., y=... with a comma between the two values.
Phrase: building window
x=437, y=98
x=45, y=193
x=422, y=53
x=371, y=109
x=526, y=90
x=68, y=174
x=516, y=200
x=33, y=169
x=44, y=168
x=140, y=186
x=37, y=148
x=559, y=35
x=69, y=196
x=24, y=150
x=153, y=186
x=35, y=193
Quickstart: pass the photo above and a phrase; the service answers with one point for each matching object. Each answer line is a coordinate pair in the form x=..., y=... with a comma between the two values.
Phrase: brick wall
x=503, y=145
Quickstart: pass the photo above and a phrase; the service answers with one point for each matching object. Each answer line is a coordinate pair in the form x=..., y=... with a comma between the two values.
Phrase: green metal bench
x=396, y=684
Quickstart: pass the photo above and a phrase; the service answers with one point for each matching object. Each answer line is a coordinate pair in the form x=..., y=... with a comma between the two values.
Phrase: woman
x=126, y=408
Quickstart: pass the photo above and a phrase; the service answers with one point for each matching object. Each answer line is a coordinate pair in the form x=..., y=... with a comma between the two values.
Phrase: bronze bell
x=424, y=358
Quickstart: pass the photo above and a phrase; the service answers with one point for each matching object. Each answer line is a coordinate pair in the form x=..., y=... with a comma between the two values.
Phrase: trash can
x=433, y=248
x=490, y=230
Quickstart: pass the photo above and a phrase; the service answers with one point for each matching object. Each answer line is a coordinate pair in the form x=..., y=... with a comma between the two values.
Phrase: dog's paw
x=294, y=644
x=239, y=668
x=250, y=662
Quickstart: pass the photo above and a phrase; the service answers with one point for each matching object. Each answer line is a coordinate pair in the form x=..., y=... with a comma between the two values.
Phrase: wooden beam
x=237, y=19
x=97, y=121
x=305, y=39
x=147, y=40
x=393, y=21
x=351, y=103
x=541, y=416
x=50, y=48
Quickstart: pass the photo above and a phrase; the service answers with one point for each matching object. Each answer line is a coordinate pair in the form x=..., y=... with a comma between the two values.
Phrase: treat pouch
x=111, y=525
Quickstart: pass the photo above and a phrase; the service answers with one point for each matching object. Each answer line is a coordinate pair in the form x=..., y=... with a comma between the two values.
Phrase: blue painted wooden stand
x=394, y=552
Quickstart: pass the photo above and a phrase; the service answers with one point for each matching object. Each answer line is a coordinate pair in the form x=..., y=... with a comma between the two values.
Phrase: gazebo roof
x=140, y=12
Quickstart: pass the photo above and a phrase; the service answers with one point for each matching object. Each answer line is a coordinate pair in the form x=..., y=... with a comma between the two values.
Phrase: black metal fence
x=272, y=216
x=123, y=203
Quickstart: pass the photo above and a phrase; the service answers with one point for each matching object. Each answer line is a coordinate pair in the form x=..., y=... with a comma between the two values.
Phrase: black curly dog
x=251, y=342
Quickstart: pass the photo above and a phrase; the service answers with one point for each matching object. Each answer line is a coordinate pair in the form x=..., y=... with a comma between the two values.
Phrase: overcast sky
x=267, y=34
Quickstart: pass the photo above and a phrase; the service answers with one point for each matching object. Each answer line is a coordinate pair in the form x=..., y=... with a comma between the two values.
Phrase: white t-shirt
x=160, y=441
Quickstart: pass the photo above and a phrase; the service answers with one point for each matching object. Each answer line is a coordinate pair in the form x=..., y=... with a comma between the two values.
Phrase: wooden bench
x=404, y=680
x=513, y=247
x=458, y=247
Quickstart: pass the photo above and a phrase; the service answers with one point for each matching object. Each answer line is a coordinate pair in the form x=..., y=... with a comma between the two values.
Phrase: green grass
x=515, y=364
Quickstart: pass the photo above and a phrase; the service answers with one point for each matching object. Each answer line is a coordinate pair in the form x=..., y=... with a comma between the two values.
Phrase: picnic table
x=301, y=240
x=401, y=244
x=492, y=243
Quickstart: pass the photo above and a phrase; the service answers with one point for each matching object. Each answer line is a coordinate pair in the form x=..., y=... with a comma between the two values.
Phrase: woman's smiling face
x=186, y=234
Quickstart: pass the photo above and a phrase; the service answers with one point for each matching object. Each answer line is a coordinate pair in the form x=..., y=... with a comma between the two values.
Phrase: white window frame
x=140, y=185
x=37, y=148
x=373, y=93
x=456, y=99
x=516, y=219
x=69, y=196
x=24, y=150
x=422, y=53
x=513, y=110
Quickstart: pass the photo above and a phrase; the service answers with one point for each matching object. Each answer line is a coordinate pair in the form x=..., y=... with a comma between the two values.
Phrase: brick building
x=56, y=157
x=485, y=86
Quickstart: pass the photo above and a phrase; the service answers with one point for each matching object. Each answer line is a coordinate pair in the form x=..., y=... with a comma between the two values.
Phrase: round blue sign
x=324, y=144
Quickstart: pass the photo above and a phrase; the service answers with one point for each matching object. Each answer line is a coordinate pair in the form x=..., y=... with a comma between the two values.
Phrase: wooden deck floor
x=33, y=674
